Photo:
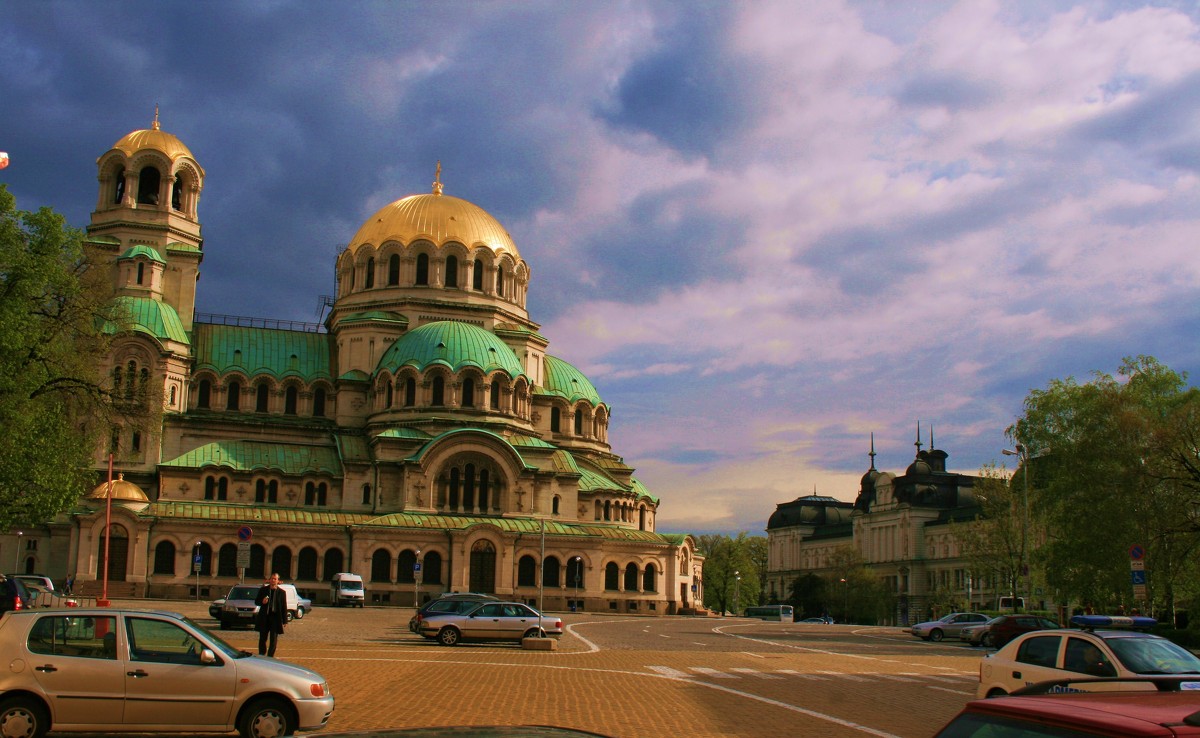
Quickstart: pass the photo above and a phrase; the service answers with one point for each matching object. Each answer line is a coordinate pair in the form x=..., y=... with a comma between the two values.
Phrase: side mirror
x=207, y=656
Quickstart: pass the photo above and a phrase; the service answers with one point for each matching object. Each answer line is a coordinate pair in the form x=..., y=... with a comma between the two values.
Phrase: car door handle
x=47, y=668
x=137, y=674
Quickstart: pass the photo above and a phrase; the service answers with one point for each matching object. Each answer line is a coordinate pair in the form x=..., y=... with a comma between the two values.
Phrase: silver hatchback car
x=105, y=670
x=489, y=621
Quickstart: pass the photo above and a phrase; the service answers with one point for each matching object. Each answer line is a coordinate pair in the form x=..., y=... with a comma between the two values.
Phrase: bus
x=779, y=613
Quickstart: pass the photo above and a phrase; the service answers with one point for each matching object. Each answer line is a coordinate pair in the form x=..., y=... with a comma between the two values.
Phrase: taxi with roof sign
x=1099, y=646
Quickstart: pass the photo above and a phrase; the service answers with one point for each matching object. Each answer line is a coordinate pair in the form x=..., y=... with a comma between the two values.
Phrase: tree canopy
x=52, y=404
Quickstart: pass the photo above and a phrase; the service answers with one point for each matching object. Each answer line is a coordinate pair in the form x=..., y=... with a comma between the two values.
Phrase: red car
x=1128, y=708
x=1000, y=630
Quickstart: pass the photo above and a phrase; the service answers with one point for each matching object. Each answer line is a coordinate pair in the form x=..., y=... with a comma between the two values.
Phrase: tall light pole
x=1023, y=454
x=417, y=580
x=196, y=568
x=845, y=599
x=17, y=554
x=737, y=590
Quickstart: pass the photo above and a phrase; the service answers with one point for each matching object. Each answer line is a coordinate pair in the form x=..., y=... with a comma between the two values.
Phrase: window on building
x=410, y=392
x=438, y=398
x=612, y=576
x=649, y=580
x=289, y=400
x=578, y=421
x=555, y=504
x=319, y=403
x=393, y=270
x=204, y=395
x=381, y=566
x=306, y=564
x=366, y=494
x=370, y=277
x=527, y=572
x=477, y=276
x=149, y=180
x=551, y=571
x=555, y=420
x=422, y=269
x=233, y=399
x=261, y=397
x=164, y=558
x=141, y=272
x=468, y=393
x=631, y=577
x=119, y=187
x=451, y=271
x=500, y=282
x=494, y=400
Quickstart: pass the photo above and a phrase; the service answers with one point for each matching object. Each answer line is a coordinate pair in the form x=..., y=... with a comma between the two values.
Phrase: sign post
x=244, y=535
x=1137, y=571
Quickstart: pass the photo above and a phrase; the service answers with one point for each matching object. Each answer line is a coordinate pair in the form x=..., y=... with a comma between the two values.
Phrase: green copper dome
x=567, y=382
x=151, y=317
x=453, y=345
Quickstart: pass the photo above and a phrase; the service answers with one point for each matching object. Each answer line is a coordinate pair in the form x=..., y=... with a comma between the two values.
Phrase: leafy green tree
x=756, y=553
x=1110, y=465
x=995, y=543
x=809, y=597
x=730, y=572
x=854, y=594
x=52, y=404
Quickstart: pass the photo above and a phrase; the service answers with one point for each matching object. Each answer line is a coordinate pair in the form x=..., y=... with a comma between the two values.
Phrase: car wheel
x=988, y=640
x=289, y=617
x=448, y=637
x=21, y=717
x=535, y=633
x=269, y=717
x=299, y=613
x=224, y=624
x=935, y=635
x=996, y=692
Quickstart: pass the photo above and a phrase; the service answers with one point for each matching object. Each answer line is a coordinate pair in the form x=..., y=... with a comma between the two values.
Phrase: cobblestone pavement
x=630, y=676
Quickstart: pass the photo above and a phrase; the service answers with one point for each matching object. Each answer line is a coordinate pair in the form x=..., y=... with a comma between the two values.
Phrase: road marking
x=840, y=675
x=669, y=672
x=813, y=677
x=754, y=673
x=896, y=678
x=714, y=673
x=951, y=691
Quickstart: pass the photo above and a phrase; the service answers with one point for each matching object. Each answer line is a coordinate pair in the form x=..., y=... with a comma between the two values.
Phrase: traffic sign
x=244, y=533
x=243, y=555
x=1137, y=565
x=417, y=566
x=1137, y=553
x=1138, y=577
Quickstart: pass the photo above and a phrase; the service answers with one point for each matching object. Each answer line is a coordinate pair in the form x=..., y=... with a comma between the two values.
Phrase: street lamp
x=1023, y=454
x=737, y=590
x=196, y=568
x=417, y=580
x=17, y=553
x=845, y=599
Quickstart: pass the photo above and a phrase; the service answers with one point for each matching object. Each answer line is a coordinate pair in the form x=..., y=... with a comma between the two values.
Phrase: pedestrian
x=271, y=616
x=67, y=585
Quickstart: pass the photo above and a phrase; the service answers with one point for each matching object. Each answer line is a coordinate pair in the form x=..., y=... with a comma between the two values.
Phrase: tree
x=853, y=591
x=1110, y=465
x=730, y=571
x=994, y=544
x=52, y=405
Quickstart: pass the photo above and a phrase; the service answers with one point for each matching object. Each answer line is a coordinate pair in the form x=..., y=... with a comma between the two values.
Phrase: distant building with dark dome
x=899, y=524
x=422, y=435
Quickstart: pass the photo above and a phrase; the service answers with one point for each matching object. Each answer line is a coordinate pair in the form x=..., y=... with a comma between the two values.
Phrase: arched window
x=404, y=567
x=260, y=490
x=410, y=392
x=422, y=269
x=393, y=270
x=141, y=273
x=319, y=403
x=177, y=193
x=631, y=577
x=649, y=580
x=494, y=400
x=227, y=561
x=451, y=271
x=551, y=568
x=468, y=392
x=333, y=563
x=477, y=276
x=258, y=562
x=119, y=190
x=204, y=396
x=575, y=572
x=557, y=499
x=232, y=400
x=439, y=392
x=262, y=396
x=431, y=568
x=387, y=400
x=366, y=494
x=370, y=281
x=578, y=421
x=164, y=558
x=500, y=283
x=555, y=420
x=612, y=576
x=381, y=566
x=149, y=180
x=527, y=572
x=281, y=562
x=289, y=400
x=306, y=564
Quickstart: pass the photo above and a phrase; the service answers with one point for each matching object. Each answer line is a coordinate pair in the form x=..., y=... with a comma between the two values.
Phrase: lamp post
x=196, y=567
x=1022, y=453
x=17, y=553
x=737, y=590
x=417, y=580
x=845, y=599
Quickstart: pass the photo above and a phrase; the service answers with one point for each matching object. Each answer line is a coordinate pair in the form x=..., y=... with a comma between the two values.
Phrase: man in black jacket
x=271, y=616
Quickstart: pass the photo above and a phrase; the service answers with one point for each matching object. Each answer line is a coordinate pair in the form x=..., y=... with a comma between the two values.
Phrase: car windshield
x=225, y=649
x=1154, y=656
x=242, y=593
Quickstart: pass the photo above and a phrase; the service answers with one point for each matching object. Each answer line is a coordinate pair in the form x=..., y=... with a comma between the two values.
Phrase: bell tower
x=150, y=187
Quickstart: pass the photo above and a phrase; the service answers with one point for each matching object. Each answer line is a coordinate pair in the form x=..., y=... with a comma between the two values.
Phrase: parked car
x=40, y=580
x=822, y=621
x=14, y=595
x=490, y=621
x=238, y=607
x=998, y=631
x=41, y=597
x=1068, y=653
x=188, y=680
x=949, y=625
x=1154, y=706
x=448, y=602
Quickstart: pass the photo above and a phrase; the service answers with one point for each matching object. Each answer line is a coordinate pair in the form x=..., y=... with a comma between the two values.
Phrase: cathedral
x=422, y=435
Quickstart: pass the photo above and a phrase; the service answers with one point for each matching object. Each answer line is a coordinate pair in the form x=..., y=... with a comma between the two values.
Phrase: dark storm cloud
x=689, y=93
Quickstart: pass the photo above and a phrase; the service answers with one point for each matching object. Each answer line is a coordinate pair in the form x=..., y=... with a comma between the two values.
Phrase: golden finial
x=437, y=179
x=156, y=116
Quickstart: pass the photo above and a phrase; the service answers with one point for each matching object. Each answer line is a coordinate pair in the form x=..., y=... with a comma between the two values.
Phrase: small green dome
x=149, y=316
x=143, y=251
x=567, y=382
x=453, y=345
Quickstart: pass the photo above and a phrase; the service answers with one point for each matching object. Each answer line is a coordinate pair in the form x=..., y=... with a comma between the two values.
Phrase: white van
x=346, y=589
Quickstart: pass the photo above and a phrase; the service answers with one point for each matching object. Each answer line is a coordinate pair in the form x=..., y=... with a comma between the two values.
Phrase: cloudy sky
x=764, y=230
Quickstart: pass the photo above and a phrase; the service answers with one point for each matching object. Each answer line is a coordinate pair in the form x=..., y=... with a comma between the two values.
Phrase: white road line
x=669, y=672
x=813, y=677
x=755, y=673
x=952, y=691
x=840, y=675
x=895, y=678
x=713, y=673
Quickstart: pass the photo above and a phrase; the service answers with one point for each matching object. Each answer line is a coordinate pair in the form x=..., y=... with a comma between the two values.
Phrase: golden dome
x=154, y=138
x=438, y=218
x=121, y=490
